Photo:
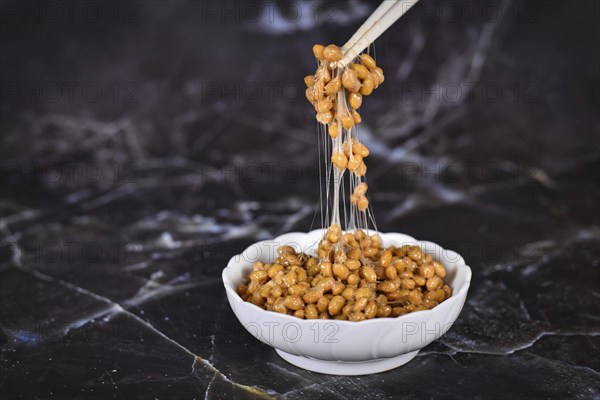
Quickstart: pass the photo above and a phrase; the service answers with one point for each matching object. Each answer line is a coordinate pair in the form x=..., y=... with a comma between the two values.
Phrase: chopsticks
x=388, y=12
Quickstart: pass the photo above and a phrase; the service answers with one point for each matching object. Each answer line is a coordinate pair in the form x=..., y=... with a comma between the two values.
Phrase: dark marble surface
x=145, y=144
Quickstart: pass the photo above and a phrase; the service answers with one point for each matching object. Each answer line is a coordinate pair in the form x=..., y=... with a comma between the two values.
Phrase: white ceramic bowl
x=345, y=347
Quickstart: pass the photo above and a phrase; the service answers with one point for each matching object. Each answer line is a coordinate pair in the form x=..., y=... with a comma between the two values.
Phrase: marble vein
x=118, y=308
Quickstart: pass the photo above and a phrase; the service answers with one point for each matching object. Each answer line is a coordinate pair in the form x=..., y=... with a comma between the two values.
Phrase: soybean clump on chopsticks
x=337, y=92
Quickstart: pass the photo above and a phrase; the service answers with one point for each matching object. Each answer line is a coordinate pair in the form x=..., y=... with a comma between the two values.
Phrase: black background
x=145, y=143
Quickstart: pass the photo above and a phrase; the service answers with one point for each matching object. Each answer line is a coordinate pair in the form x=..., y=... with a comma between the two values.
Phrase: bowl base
x=347, y=367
